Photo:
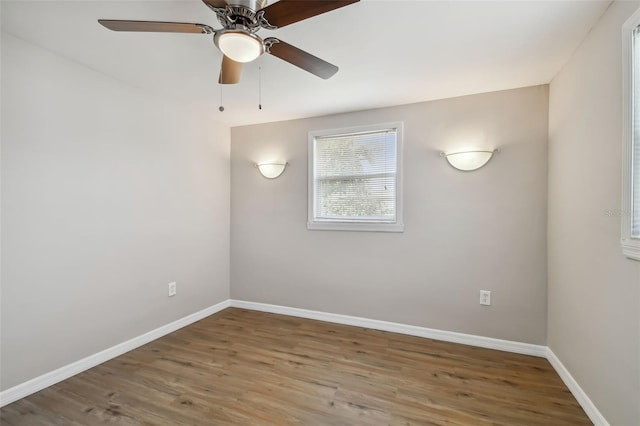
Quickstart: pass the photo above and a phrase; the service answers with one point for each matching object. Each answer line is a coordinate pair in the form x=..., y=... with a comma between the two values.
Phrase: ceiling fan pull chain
x=221, y=109
x=260, y=87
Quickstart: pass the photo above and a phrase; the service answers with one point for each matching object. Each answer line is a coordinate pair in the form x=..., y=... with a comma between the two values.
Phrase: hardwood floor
x=251, y=368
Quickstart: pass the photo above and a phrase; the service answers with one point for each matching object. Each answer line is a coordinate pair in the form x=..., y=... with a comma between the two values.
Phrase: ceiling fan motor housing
x=243, y=14
x=254, y=5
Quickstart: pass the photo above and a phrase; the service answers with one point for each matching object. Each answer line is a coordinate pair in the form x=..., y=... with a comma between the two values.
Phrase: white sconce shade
x=271, y=170
x=469, y=160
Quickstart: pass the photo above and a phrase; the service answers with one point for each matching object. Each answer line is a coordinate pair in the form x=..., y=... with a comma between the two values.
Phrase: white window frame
x=337, y=225
x=630, y=244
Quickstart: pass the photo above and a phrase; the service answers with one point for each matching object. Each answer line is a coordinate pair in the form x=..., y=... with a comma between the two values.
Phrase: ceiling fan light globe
x=240, y=46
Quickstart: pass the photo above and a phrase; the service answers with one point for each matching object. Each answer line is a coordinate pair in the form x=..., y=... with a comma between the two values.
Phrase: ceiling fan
x=238, y=41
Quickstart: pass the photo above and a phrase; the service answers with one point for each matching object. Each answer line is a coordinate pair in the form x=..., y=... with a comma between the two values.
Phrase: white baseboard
x=580, y=395
x=412, y=330
x=38, y=383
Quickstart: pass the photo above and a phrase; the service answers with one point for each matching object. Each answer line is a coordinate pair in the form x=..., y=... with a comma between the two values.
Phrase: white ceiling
x=389, y=52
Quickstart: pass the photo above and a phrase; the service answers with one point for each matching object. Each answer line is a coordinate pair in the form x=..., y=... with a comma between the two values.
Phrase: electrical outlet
x=485, y=297
x=172, y=289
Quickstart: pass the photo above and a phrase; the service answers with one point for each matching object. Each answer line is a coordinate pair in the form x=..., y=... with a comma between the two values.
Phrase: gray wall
x=107, y=196
x=594, y=292
x=463, y=231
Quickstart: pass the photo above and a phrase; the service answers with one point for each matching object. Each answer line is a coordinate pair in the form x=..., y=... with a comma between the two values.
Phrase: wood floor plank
x=241, y=367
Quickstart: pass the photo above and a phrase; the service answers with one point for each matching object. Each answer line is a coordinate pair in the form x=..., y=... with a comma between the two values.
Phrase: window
x=630, y=212
x=355, y=179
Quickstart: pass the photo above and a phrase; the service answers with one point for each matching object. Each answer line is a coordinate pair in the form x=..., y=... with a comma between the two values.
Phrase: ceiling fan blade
x=230, y=71
x=156, y=27
x=300, y=58
x=286, y=12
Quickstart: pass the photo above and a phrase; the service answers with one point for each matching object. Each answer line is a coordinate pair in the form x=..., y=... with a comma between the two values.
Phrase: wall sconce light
x=469, y=160
x=271, y=170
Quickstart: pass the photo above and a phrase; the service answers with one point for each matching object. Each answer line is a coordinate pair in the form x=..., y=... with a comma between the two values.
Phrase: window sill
x=357, y=226
x=631, y=248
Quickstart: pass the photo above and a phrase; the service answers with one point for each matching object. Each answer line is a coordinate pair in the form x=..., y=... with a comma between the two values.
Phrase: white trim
x=355, y=226
x=51, y=378
x=585, y=402
x=394, y=327
x=630, y=246
x=371, y=226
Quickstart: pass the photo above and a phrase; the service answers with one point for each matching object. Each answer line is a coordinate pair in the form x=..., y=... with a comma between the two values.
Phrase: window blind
x=355, y=177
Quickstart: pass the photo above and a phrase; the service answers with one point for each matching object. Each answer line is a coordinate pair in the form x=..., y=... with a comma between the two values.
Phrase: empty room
x=320, y=212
